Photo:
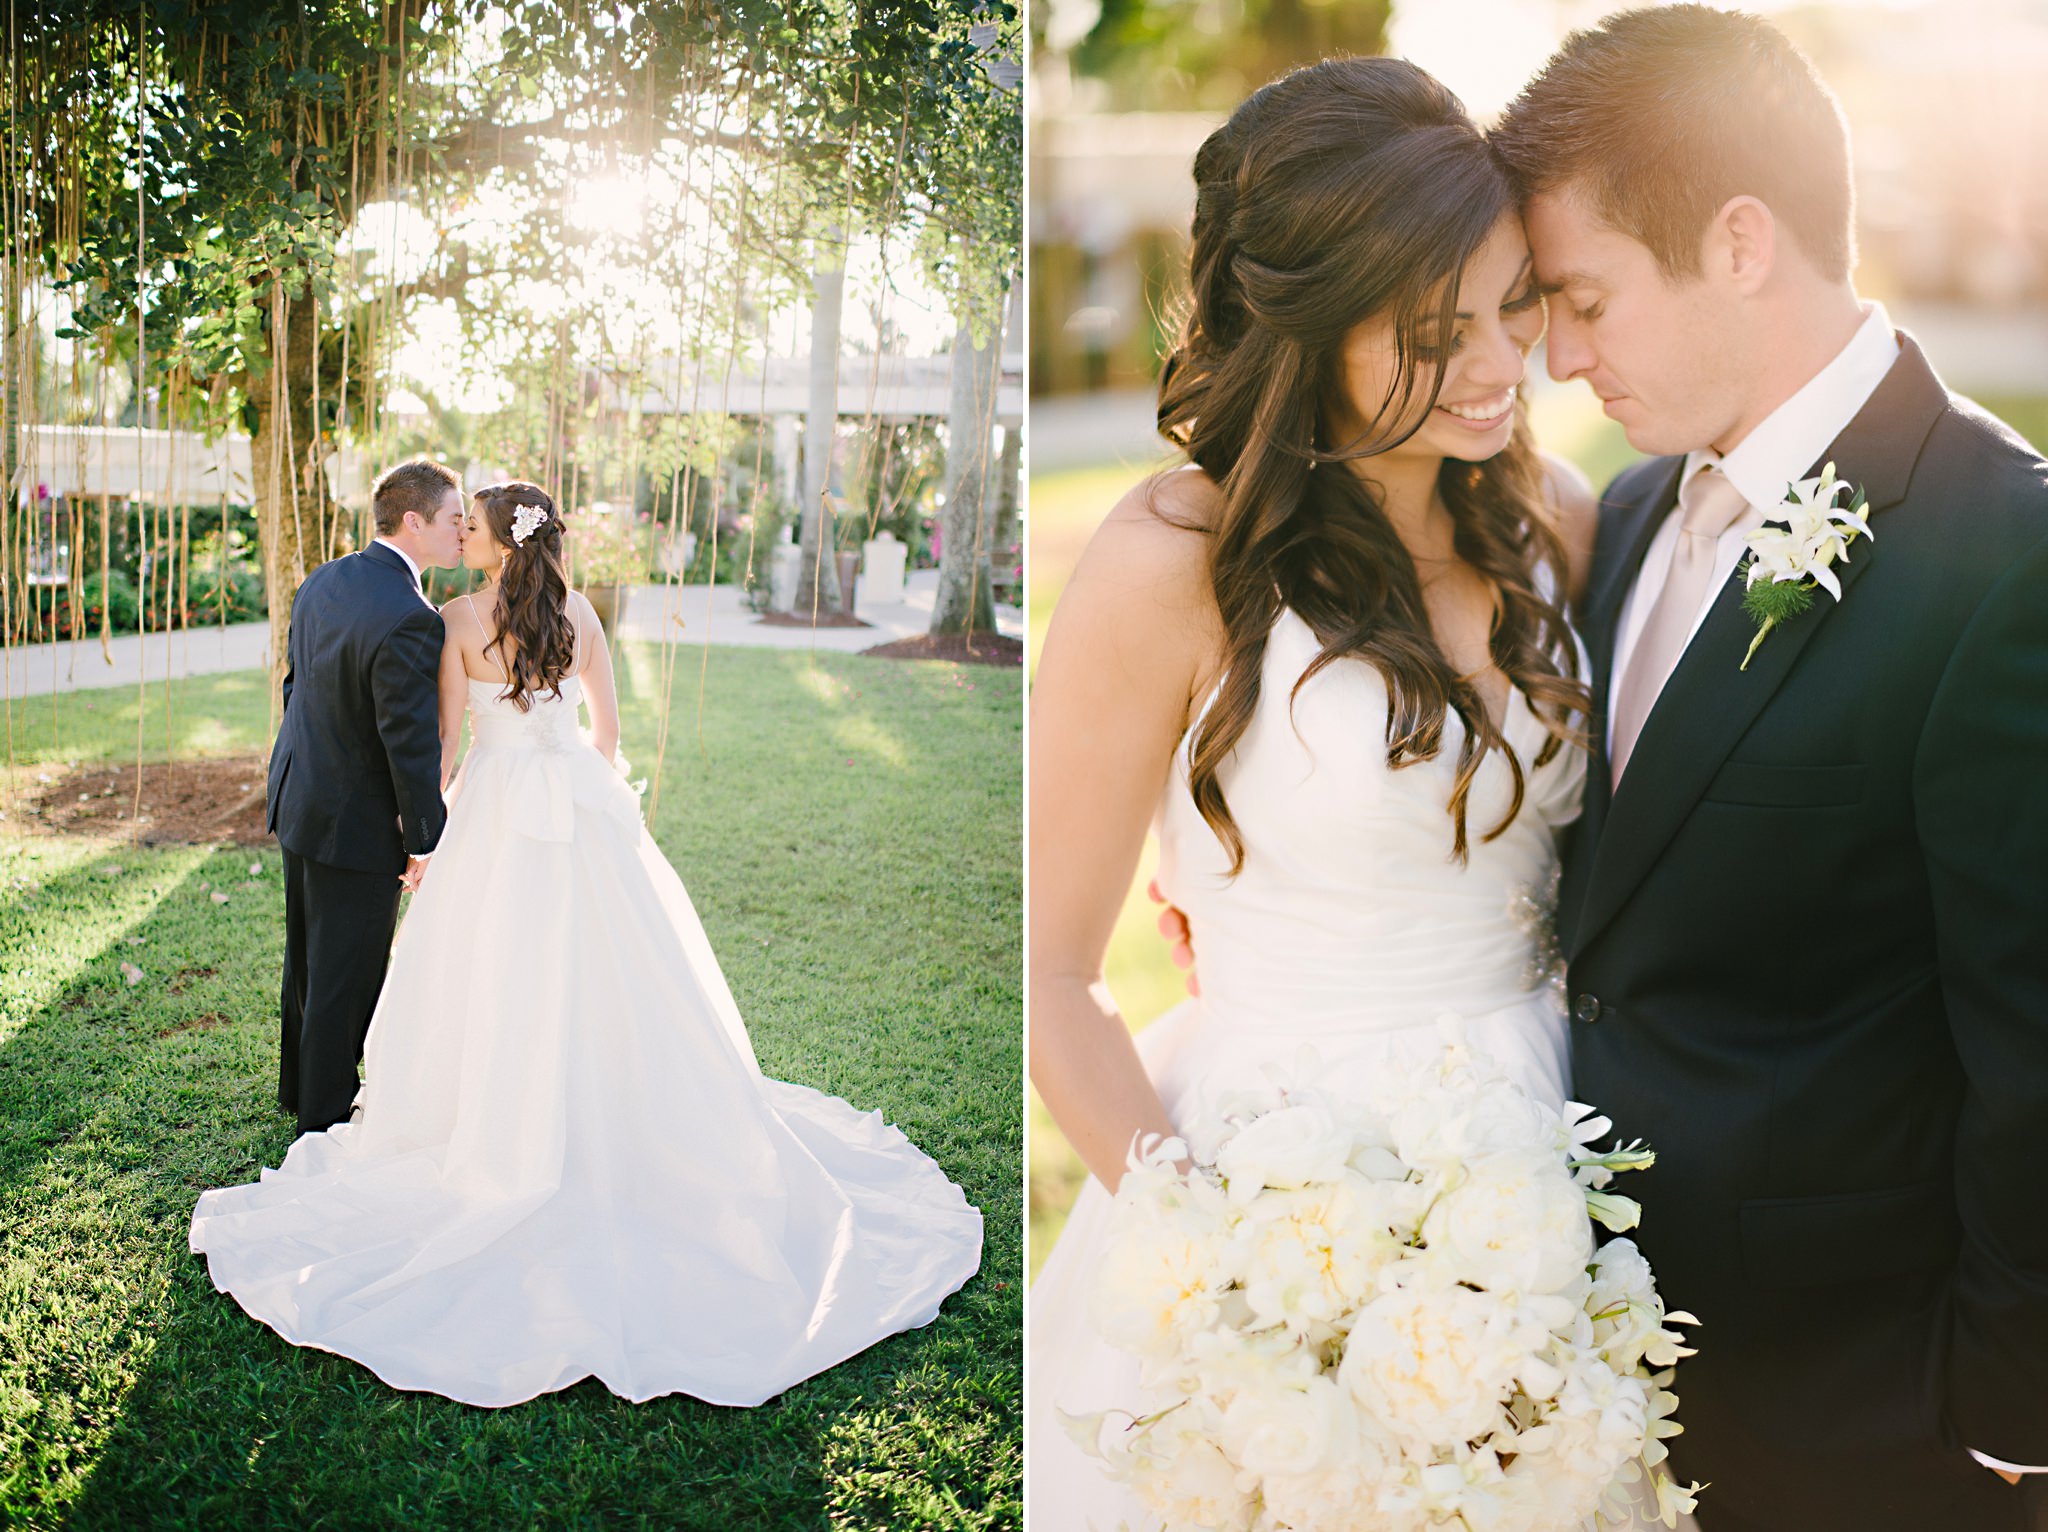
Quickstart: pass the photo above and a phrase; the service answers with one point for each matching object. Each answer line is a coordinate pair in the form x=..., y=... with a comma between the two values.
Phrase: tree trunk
x=818, y=580
x=965, y=603
x=298, y=522
x=1009, y=485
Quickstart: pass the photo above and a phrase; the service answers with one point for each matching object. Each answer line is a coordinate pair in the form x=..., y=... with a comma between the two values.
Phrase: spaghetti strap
x=469, y=600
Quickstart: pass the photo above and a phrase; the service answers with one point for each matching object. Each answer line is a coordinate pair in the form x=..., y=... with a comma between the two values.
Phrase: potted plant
x=605, y=562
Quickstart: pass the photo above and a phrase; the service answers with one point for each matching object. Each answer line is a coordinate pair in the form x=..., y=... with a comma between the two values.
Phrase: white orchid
x=1787, y=563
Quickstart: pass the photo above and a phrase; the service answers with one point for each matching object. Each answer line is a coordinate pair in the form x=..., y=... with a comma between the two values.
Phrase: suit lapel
x=1710, y=701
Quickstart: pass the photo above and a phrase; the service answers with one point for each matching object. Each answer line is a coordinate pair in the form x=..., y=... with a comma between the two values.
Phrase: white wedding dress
x=568, y=1163
x=1350, y=932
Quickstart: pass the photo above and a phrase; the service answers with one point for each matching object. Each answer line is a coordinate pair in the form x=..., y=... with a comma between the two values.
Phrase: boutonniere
x=1788, y=563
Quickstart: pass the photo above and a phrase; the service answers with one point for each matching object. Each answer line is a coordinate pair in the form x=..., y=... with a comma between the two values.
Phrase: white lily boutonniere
x=1787, y=563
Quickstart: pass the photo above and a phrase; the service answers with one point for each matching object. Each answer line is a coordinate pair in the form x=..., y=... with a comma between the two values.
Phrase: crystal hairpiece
x=528, y=520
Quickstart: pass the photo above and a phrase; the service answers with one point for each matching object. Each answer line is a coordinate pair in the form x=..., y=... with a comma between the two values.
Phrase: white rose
x=1442, y=1127
x=1516, y=1224
x=1291, y=1147
x=1288, y=1431
x=1183, y=1475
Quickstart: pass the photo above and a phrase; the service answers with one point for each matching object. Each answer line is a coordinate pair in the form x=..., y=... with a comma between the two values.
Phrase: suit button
x=1586, y=1009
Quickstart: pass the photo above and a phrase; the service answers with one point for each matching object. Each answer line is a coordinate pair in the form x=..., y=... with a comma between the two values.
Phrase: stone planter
x=849, y=565
x=609, y=601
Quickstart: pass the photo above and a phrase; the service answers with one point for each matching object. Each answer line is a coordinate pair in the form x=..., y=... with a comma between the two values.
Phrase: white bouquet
x=1388, y=1318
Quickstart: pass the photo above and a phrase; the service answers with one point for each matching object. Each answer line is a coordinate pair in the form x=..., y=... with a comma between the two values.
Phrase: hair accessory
x=529, y=520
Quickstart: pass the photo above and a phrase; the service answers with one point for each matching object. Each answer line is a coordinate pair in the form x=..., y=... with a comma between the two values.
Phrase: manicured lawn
x=849, y=830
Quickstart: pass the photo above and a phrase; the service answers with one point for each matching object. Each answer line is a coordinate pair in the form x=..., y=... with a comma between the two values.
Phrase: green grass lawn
x=849, y=831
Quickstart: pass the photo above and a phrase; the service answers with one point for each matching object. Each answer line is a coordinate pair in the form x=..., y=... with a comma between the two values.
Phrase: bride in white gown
x=1325, y=663
x=567, y=1162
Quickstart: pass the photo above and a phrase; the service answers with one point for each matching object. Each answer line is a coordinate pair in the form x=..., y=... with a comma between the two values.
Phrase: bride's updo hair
x=533, y=591
x=1351, y=188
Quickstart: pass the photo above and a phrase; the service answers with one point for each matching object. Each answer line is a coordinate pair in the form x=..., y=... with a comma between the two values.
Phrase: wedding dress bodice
x=548, y=769
x=548, y=725
x=1350, y=912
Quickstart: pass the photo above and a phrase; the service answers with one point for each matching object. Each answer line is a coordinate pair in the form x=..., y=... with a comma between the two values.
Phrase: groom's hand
x=1173, y=925
x=414, y=875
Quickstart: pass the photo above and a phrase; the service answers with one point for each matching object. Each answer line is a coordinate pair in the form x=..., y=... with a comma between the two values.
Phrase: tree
x=966, y=603
x=972, y=231
x=193, y=173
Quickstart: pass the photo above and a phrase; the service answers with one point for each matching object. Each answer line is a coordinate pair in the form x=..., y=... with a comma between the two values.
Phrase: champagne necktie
x=1709, y=504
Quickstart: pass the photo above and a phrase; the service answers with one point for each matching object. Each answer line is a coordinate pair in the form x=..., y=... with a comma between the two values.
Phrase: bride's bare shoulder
x=1157, y=536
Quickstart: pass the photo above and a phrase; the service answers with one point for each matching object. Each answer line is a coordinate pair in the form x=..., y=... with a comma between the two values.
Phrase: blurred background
x=1950, y=134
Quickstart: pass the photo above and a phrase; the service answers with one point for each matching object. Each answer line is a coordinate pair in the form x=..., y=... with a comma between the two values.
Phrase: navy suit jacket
x=1808, y=944
x=359, y=751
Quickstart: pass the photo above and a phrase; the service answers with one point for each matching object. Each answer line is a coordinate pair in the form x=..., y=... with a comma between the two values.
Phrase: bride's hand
x=1173, y=925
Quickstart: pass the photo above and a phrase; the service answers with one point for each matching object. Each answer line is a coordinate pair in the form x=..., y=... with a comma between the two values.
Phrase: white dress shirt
x=1778, y=452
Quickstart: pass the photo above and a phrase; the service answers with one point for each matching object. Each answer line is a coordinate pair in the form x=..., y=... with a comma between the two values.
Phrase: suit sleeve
x=1982, y=818
x=405, y=687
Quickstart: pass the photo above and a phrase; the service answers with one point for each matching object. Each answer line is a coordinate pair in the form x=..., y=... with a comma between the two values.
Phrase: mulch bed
x=961, y=648
x=826, y=618
x=212, y=802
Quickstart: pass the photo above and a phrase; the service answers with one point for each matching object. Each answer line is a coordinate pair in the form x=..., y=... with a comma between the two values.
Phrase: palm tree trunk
x=818, y=580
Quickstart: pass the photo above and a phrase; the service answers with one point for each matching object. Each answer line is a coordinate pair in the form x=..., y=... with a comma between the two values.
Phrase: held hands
x=414, y=875
x=1173, y=925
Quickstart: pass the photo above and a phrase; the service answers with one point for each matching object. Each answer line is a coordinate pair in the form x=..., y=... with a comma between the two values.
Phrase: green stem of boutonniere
x=1770, y=602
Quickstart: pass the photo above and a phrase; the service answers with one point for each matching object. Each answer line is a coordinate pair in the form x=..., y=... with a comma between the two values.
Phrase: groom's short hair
x=1660, y=116
x=420, y=486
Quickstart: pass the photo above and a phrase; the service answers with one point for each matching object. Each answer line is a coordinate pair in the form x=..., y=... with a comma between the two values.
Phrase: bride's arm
x=1135, y=634
x=599, y=691
x=454, y=693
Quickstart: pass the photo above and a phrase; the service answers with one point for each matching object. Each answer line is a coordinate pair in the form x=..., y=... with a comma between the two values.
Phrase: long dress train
x=568, y=1163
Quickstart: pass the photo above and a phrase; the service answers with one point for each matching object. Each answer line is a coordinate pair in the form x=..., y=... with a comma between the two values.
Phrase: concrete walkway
x=652, y=612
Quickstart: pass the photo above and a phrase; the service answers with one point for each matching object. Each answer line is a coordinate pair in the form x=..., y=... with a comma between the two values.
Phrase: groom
x=1806, y=910
x=355, y=778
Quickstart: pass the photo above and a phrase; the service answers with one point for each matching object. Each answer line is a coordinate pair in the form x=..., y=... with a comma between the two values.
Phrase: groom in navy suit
x=355, y=779
x=1806, y=912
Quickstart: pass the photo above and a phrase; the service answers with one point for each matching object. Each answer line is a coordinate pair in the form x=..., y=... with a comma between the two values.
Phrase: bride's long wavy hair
x=1351, y=188
x=533, y=594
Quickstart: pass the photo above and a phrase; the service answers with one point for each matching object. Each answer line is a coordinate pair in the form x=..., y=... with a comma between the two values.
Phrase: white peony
x=1306, y=1256
x=1164, y=1274
x=1387, y=1315
x=1436, y=1364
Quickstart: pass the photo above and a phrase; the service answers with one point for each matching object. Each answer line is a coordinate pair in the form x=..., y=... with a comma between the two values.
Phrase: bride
x=1326, y=661
x=567, y=1162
